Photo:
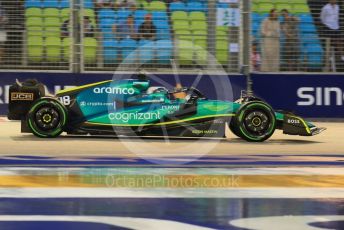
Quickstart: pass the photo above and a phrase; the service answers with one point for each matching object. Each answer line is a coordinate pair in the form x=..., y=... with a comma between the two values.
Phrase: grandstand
x=181, y=34
x=186, y=31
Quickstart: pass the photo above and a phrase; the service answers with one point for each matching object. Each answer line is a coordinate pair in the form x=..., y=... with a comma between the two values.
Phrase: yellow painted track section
x=175, y=181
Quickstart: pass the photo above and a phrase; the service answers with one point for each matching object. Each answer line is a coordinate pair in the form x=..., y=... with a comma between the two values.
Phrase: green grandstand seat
x=52, y=32
x=222, y=28
x=157, y=6
x=52, y=27
x=197, y=16
x=89, y=13
x=34, y=31
x=201, y=42
x=198, y=25
x=51, y=13
x=185, y=52
x=181, y=25
x=265, y=7
x=304, y=2
x=183, y=35
x=278, y=2
x=222, y=51
x=221, y=35
x=143, y=5
x=200, y=38
x=33, y=12
x=90, y=50
x=201, y=33
x=64, y=14
x=66, y=48
x=179, y=15
x=34, y=22
x=255, y=7
x=200, y=51
x=300, y=9
x=53, y=49
x=35, y=49
x=281, y=6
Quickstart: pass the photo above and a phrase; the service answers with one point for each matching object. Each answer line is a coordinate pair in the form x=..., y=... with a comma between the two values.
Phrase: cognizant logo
x=114, y=90
x=125, y=117
x=320, y=96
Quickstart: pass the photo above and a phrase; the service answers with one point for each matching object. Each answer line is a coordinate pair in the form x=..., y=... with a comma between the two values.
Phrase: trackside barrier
x=315, y=96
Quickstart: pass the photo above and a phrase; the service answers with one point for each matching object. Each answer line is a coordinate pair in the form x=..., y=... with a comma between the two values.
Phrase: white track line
x=125, y=222
x=269, y=193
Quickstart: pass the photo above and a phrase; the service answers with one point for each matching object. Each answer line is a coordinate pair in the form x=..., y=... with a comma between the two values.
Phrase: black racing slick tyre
x=47, y=118
x=255, y=121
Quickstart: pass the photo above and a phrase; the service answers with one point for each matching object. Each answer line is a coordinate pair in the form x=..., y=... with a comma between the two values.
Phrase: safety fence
x=128, y=35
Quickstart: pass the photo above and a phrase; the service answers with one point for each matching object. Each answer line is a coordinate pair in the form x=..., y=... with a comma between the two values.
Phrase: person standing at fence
x=291, y=47
x=255, y=57
x=270, y=31
x=3, y=33
x=329, y=17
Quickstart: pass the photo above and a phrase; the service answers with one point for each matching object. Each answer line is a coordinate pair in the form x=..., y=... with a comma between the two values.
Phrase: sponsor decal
x=215, y=107
x=170, y=108
x=17, y=96
x=152, y=100
x=125, y=117
x=293, y=121
x=196, y=131
x=4, y=92
x=65, y=100
x=320, y=96
x=84, y=103
x=114, y=90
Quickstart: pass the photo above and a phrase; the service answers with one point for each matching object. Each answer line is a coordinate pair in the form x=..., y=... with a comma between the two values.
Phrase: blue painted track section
x=213, y=213
x=215, y=161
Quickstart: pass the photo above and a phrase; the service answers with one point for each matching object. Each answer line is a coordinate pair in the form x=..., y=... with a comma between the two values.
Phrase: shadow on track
x=161, y=139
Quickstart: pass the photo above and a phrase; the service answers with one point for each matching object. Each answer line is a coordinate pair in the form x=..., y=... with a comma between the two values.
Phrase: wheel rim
x=47, y=118
x=257, y=123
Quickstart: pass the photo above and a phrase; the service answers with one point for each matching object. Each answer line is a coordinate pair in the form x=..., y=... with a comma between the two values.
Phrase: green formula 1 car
x=135, y=108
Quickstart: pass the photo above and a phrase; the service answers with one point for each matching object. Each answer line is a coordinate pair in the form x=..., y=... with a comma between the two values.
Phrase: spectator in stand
x=65, y=27
x=329, y=17
x=3, y=33
x=125, y=29
x=147, y=30
x=128, y=4
x=104, y=4
x=290, y=30
x=255, y=57
x=88, y=28
x=270, y=31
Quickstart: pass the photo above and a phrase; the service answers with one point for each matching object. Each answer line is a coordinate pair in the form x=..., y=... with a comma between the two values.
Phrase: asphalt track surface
x=14, y=142
x=107, y=183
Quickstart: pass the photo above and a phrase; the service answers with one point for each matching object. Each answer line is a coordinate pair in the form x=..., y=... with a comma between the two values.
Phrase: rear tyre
x=255, y=121
x=47, y=118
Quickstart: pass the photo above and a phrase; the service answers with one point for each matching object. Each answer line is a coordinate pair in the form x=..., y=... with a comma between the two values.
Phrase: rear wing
x=21, y=97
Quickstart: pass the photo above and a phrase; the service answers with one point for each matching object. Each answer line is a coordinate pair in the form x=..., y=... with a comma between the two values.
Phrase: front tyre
x=47, y=118
x=255, y=121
